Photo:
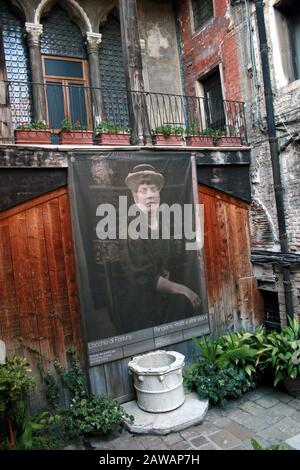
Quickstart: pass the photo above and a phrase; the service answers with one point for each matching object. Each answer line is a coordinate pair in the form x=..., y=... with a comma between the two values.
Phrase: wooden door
x=233, y=298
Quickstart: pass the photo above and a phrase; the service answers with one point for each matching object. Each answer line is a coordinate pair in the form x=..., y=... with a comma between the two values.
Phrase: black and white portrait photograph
x=140, y=273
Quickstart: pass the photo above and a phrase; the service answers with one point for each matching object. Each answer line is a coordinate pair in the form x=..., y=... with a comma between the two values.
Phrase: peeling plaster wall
x=157, y=28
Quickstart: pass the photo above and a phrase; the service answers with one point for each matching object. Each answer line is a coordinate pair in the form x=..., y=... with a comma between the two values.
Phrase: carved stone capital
x=34, y=31
x=93, y=41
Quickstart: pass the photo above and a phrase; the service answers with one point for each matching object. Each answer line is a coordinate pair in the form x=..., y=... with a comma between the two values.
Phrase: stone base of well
x=192, y=412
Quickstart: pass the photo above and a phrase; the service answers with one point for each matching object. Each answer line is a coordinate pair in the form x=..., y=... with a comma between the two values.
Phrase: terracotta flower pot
x=32, y=136
x=173, y=139
x=79, y=137
x=113, y=138
x=199, y=141
x=228, y=141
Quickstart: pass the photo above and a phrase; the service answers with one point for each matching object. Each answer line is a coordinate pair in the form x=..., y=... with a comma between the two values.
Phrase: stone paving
x=264, y=414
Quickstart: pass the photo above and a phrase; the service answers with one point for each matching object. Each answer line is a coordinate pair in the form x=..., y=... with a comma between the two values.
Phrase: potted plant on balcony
x=226, y=137
x=109, y=133
x=167, y=135
x=32, y=133
x=198, y=138
x=72, y=134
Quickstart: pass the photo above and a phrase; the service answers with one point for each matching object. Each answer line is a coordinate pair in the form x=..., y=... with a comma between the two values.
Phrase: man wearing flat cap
x=155, y=299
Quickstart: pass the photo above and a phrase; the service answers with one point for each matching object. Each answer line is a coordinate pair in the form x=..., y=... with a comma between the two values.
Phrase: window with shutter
x=203, y=11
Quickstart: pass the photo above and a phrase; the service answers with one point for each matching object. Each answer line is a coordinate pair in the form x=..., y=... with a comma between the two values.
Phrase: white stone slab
x=192, y=412
x=294, y=442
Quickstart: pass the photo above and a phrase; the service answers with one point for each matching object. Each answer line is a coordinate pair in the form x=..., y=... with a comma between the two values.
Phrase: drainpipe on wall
x=274, y=152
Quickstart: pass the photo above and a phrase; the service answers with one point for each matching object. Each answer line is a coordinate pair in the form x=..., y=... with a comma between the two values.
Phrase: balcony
x=146, y=118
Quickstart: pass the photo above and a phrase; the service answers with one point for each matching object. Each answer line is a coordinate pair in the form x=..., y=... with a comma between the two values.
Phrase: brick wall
x=225, y=40
x=286, y=107
x=214, y=44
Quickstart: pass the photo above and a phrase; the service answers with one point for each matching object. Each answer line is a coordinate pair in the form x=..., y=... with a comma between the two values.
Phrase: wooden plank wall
x=38, y=288
x=39, y=295
x=233, y=298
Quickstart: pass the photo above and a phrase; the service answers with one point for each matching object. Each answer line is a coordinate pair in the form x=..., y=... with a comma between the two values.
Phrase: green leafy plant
x=227, y=366
x=86, y=413
x=216, y=383
x=232, y=131
x=15, y=385
x=67, y=126
x=31, y=426
x=208, y=351
x=18, y=429
x=110, y=128
x=239, y=349
x=37, y=433
x=36, y=125
x=193, y=129
x=15, y=382
x=257, y=446
x=73, y=379
x=167, y=129
x=52, y=390
x=93, y=415
x=281, y=351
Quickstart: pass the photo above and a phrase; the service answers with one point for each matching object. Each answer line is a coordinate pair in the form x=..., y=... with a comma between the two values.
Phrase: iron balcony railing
x=78, y=106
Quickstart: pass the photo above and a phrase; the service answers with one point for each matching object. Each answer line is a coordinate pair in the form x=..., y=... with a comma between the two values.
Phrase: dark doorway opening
x=214, y=106
x=271, y=309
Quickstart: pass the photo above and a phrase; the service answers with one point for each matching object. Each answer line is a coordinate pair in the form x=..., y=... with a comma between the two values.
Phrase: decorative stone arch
x=76, y=12
x=23, y=9
x=263, y=233
x=105, y=11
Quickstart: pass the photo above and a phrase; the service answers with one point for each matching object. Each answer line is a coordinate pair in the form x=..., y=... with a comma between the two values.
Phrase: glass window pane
x=77, y=104
x=55, y=100
x=63, y=68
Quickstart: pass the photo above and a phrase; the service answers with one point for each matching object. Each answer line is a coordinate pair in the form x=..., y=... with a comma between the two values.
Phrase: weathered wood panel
x=9, y=318
x=38, y=288
x=233, y=297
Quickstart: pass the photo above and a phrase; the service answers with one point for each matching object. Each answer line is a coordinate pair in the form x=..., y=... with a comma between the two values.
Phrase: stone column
x=137, y=106
x=34, y=31
x=93, y=41
x=6, y=129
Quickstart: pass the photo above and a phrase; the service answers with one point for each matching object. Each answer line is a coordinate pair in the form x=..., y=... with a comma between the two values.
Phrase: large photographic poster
x=141, y=275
